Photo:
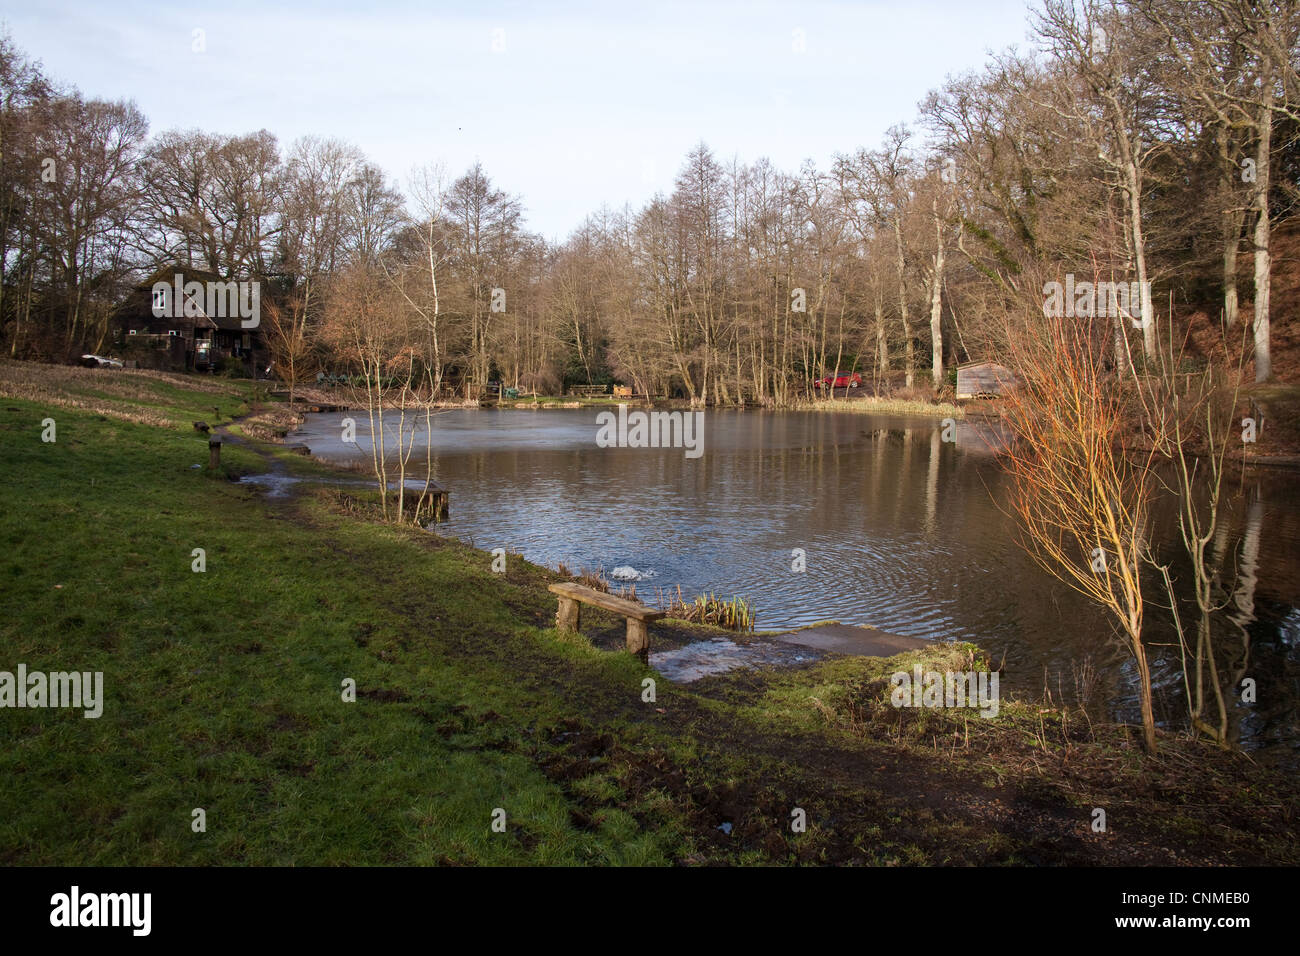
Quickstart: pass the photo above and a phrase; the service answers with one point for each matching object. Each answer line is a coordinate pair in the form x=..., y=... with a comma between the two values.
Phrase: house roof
x=138, y=304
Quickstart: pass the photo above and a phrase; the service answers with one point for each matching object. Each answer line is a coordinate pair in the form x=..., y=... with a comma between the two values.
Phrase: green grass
x=223, y=688
x=224, y=692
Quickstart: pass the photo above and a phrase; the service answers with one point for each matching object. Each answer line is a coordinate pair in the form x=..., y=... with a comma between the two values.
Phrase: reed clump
x=734, y=614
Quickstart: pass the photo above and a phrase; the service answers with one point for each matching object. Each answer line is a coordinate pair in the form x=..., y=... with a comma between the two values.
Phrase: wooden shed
x=983, y=379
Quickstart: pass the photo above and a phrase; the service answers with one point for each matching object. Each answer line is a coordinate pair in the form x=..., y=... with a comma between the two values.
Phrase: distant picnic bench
x=573, y=596
x=588, y=391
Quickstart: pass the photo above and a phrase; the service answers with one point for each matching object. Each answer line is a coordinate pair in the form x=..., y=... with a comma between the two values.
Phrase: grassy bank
x=224, y=691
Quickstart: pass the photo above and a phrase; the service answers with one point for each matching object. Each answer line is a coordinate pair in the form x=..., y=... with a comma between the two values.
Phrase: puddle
x=279, y=485
x=719, y=655
x=276, y=485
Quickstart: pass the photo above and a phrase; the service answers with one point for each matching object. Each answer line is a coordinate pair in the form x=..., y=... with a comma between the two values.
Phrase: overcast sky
x=569, y=105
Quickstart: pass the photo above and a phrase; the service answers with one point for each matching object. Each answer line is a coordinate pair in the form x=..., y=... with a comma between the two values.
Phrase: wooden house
x=207, y=340
x=983, y=380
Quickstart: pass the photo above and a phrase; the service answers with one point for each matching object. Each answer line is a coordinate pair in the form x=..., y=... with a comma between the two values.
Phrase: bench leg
x=638, y=639
x=566, y=619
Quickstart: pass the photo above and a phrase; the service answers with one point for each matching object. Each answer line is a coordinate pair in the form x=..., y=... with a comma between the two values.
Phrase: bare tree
x=1199, y=427
x=358, y=323
x=210, y=202
x=1080, y=498
x=1107, y=52
x=881, y=180
x=84, y=208
x=320, y=179
x=487, y=235
x=25, y=95
x=1238, y=60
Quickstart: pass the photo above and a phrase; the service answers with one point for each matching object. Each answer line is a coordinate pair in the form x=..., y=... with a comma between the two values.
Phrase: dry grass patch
x=882, y=406
x=142, y=396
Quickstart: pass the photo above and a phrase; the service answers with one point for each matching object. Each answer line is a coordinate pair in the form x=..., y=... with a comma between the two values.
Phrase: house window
x=172, y=332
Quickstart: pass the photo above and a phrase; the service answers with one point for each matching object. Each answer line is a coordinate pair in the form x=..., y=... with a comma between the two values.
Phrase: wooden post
x=638, y=639
x=434, y=502
x=214, y=453
x=567, y=617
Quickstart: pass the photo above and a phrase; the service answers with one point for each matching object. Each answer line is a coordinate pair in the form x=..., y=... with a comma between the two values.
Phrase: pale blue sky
x=587, y=103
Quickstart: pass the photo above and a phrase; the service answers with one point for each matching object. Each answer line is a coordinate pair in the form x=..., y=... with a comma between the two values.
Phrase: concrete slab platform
x=850, y=639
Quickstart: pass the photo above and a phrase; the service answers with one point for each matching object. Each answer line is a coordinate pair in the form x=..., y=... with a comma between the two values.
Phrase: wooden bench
x=573, y=596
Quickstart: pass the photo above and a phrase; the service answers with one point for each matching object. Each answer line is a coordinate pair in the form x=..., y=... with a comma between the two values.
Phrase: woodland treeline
x=1152, y=141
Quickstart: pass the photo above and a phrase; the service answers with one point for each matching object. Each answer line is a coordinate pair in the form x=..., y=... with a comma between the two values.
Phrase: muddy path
x=277, y=482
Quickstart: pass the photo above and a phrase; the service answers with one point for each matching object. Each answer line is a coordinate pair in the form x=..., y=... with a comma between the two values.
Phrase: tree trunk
x=1144, y=688
x=1231, y=234
x=936, y=306
x=1122, y=365
x=1231, y=242
x=882, y=344
x=909, y=356
x=1263, y=155
x=1140, y=259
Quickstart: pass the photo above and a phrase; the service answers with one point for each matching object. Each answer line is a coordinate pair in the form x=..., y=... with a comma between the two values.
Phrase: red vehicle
x=841, y=380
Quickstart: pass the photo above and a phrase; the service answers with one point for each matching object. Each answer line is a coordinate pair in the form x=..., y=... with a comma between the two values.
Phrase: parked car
x=99, y=361
x=840, y=379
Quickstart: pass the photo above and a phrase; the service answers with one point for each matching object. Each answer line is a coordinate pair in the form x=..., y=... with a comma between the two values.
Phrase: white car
x=99, y=361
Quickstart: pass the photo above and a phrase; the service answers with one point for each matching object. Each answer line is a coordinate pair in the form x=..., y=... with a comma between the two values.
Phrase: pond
x=865, y=519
